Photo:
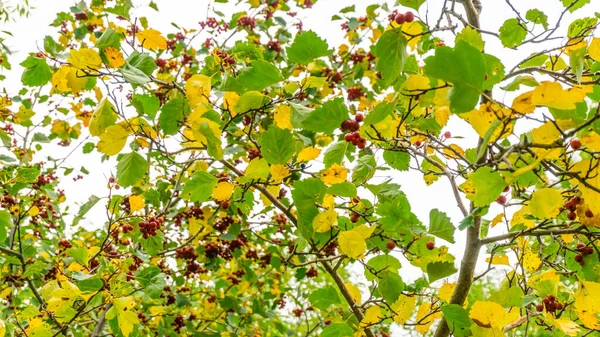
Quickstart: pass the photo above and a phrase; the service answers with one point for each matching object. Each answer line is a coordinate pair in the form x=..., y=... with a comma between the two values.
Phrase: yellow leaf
x=591, y=141
x=489, y=314
x=565, y=325
x=324, y=221
x=152, y=39
x=413, y=32
x=442, y=114
x=136, y=203
x=354, y=292
x=59, y=79
x=519, y=217
x=85, y=59
x=503, y=259
x=546, y=203
x=453, y=151
x=33, y=211
x=552, y=95
x=334, y=175
x=404, y=307
x=482, y=120
x=328, y=201
x=524, y=104
x=426, y=309
x=197, y=89
x=282, y=117
x=364, y=231
x=114, y=57
x=352, y=244
x=308, y=153
x=124, y=309
x=497, y=219
x=591, y=197
x=37, y=327
x=62, y=298
x=416, y=84
x=223, y=191
x=2, y=328
x=278, y=173
x=372, y=316
x=446, y=290
x=531, y=261
x=594, y=49
x=229, y=100
x=587, y=304
x=113, y=140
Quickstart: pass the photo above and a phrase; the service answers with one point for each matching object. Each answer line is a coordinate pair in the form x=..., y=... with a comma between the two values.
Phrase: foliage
x=248, y=154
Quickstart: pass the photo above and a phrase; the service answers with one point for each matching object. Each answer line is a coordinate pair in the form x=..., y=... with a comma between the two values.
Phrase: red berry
x=551, y=298
x=430, y=245
x=355, y=217
x=391, y=245
x=418, y=143
x=117, y=186
x=348, y=137
x=111, y=180
x=588, y=251
x=356, y=135
x=447, y=134
x=353, y=126
x=501, y=200
x=559, y=306
x=506, y=189
x=359, y=117
x=580, y=245
x=575, y=144
x=572, y=216
x=400, y=19
x=539, y=307
x=578, y=258
x=576, y=200
x=589, y=214
x=225, y=204
x=362, y=143
x=571, y=206
x=345, y=126
x=409, y=17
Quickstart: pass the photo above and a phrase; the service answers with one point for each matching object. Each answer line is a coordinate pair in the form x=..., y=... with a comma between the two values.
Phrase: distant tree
x=249, y=154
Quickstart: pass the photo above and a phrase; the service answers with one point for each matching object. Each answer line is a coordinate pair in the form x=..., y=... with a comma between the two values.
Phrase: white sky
x=29, y=35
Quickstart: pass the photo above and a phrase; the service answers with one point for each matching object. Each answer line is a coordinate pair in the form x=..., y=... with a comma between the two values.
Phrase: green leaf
x=109, y=38
x=529, y=81
x=103, y=117
x=250, y=101
x=364, y=169
x=390, y=286
x=142, y=61
x=575, y=4
x=146, y=105
x=458, y=320
x=380, y=112
x=35, y=268
x=335, y=153
x=131, y=167
x=307, y=47
x=439, y=270
x=391, y=54
x=441, y=226
x=464, y=67
x=414, y=4
x=5, y=222
x=337, y=330
x=399, y=160
x=38, y=72
x=153, y=281
x=79, y=254
x=258, y=168
x=90, y=285
x=277, y=145
x=488, y=185
x=538, y=17
x=324, y=297
x=172, y=115
x=327, y=117
x=494, y=71
x=576, y=62
x=509, y=297
x=134, y=75
x=382, y=263
x=215, y=149
x=344, y=189
x=261, y=75
x=472, y=37
x=512, y=33
x=305, y=194
x=200, y=187
x=581, y=27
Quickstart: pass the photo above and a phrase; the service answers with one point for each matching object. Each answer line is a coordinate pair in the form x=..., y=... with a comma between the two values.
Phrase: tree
x=248, y=155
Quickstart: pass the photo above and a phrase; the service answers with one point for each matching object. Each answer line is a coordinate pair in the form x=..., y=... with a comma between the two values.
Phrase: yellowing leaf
x=152, y=39
x=114, y=57
x=354, y=292
x=565, y=325
x=591, y=141
x=124, y=309
x=278, y=173
x=282, y=117
x=424, y=310
x=416, y=84
x=229, y=100
x=552, y=95
x=334, y=175
x=113, y=140
x=364, y=231
x=519, y=217
x=2, y=328
x=33, y=211
x=483, y=119
x=197, y=89
x=103, y=117
x=502, y=259
x=352, y=244
x=413, y=32
x=546, y=203
x=404, y=307
x=85, y=59
x=308, y=153
x=587, y=304
x=441, y=115
x=37, y=327
x=372, y=316
x=591, y=197
x=489, y=314
x=136, y=203
x=524, y=103
x=446, y=290
x=497, y=219
x=223, y=191
x=531, y=261
x=324, y=221
x=594, y=49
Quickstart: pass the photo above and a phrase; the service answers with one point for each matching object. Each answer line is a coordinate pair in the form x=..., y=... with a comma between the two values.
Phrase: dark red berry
x=225, y=204
x=111, y=180
x=501, y=200
x=418, y=143
x=578, y=258
x=430, y=245
x=571, y=206
x=506, y=189
x=539, y=307
x=400, y=18
x=359, y=117
x=575, y=144
x=409, y=17
x=559, y=306
x=348, y=137
x=576, y=200
x=580, y=245
x=345, y=126
x=588, y=251
x=589, y=213
x=391, y=245
x=572, y=216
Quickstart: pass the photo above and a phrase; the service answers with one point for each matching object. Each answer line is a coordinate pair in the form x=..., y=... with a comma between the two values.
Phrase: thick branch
x=537, y=233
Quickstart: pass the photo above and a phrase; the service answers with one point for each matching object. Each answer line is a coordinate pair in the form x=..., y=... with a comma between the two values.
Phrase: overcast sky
x=29, y=33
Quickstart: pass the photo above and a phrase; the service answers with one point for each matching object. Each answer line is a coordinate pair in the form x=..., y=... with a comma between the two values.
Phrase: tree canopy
x=256, y=185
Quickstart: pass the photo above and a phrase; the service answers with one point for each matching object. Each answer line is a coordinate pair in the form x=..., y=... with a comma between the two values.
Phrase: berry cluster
x=353, y=126
x=583, y=251
x=354, y=93
x=246, y=22
x=571, y=206
x=550, y=304
x=126, y=228
x=149, y=228
x=312, y=272
x=65, y=244
x=406, y=17
x=254, y=153
x=186, y=253
x=227, y=60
